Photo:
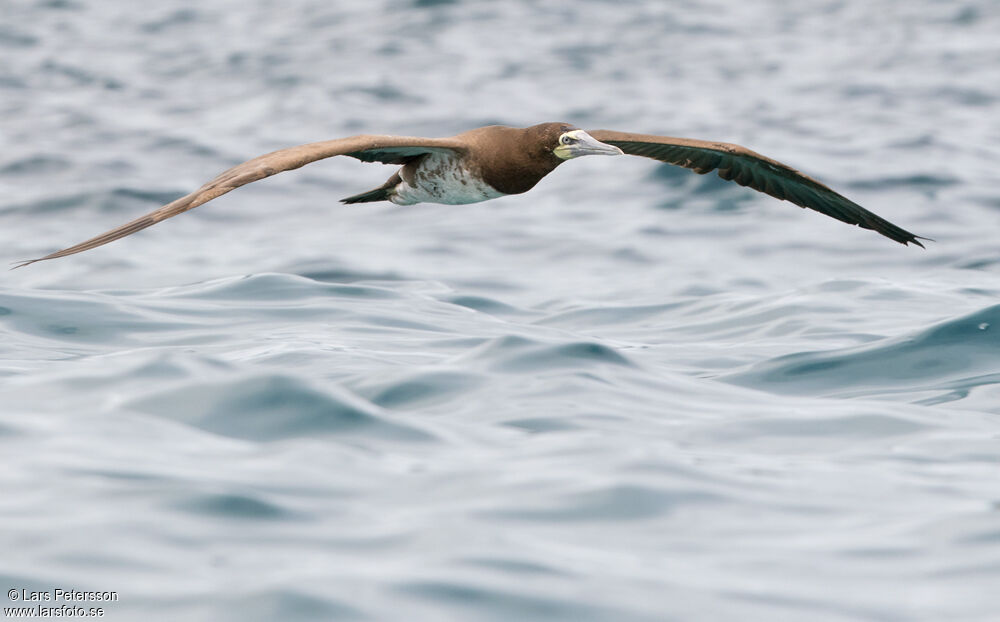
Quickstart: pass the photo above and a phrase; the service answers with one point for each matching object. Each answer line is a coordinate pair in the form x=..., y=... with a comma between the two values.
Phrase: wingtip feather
x=23, y=263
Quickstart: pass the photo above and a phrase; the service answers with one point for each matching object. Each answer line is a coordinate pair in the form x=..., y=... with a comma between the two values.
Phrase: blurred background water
x=632, y=394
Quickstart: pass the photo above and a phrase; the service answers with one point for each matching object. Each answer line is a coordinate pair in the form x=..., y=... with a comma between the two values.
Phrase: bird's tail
x=378, y=194
x=382, y=193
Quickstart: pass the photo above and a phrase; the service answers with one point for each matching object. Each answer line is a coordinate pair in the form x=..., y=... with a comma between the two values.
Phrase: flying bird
x=493, y=161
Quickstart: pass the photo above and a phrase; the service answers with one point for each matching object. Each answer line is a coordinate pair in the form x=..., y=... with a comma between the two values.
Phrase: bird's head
x=573, y=142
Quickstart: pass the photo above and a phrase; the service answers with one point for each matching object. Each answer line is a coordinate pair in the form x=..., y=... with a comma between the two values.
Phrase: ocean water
x=632, y=394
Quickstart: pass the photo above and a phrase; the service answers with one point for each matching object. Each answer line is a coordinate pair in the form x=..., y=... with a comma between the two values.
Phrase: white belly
x=439, y=178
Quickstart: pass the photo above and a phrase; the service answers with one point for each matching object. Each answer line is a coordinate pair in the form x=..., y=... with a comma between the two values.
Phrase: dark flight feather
x=756, y=171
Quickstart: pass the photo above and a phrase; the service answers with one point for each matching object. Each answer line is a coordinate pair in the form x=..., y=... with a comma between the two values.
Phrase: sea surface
x=632, y=394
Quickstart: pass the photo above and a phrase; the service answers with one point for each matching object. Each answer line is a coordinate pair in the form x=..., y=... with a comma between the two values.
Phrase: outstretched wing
x=368, y=148
x=748, y=168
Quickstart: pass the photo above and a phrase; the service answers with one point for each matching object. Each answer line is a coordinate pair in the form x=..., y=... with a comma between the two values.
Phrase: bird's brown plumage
x=368, y=148
x=513, y=160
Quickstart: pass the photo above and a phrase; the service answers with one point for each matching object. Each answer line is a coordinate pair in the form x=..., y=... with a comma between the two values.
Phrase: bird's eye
x=566, y=140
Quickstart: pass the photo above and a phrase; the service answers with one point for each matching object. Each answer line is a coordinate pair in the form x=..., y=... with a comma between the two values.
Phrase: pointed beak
x=584, y=144
x=589, y=145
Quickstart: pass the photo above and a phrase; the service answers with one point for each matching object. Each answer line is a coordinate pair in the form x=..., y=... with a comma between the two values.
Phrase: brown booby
x=496, y=160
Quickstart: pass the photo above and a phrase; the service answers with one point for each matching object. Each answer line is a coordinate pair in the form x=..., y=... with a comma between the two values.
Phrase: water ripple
x=274, y=407
x=964, y=348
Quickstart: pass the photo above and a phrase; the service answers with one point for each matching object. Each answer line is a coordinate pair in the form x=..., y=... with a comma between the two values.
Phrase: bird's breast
x=441, y=178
